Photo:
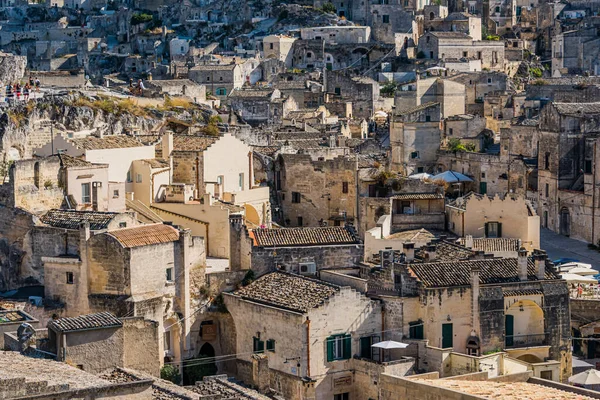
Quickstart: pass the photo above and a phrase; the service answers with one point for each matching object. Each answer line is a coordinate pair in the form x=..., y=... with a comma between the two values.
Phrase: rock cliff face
x=12, y=68
x=25, y=127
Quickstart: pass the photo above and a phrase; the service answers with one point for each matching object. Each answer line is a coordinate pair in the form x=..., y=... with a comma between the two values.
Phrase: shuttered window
x=339, y=347
x=258, y=345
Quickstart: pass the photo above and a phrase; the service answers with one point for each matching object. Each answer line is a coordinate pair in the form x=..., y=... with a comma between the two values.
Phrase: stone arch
x=530, y=358
x=252, y=215
x=431, y=15
x=524, y=324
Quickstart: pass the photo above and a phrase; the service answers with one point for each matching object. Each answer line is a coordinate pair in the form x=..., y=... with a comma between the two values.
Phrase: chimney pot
x=409, y=251
x=522, y=264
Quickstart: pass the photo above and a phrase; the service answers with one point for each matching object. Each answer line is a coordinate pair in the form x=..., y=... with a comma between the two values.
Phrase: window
x=70, y=278
x=465, y=54
x=415, y=330
x=588, y=166
x=489, y=81
x=221, y=92
x=129, y=176
x=300, y=221
x=309, y=55
x=115, y=194
x=85, y=193
x=493, y=230
x=295, y=197
x=271, y=345
x=271, y=46
x=241, y=181
x=385, y=19
x=345, y=396
x=344, y=187
x=483, y=175
x=339, y=347
x=414, y=154
x=547, y=161
x=547, y=189
x=170, y=274
x=220, y=79
x=208, y=79
x=258, y=346
x=420, y=170
x=168, y=340
x=428, y=118
x=479, y=55
x=122, y=224
x=427, y=39
x=138, y=178
x=366, y=347
x=450, y=132
x=338, y=91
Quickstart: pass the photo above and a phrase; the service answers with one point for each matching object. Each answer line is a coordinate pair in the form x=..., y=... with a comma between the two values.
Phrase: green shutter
x=486, y=229
x=365, y=347
x=261, y=346
x=347, y=347
x=255, y=344
x=329, y=342
x=499, y=230
x=271, y=345
x=419, y=331
x=447, y=336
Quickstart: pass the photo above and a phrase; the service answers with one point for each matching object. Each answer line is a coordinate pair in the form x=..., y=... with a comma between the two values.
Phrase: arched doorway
x=431, y=16
x=204, y=365
x=565, y=222
x=524, y=324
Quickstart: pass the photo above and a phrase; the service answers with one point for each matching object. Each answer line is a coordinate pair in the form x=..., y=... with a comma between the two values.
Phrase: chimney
x=167, y=145
x=522, y=264
x=430, y=252
x=540, y=265
x=469, y=242
x=475, y=297
x=409, y=251
x=332, y=141
x=260, y=372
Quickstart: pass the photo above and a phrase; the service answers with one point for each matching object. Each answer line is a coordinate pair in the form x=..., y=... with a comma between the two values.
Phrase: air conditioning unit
x=387, y=258
x=308, y=268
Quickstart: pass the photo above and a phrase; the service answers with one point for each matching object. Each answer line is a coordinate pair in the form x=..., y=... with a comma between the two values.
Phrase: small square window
x=138, y=178
x=170, y=274
x=414, y=154
x=386, y=19
x=295, y=197
x=271, y=345
x=122, y=224
x=115, y=194
x=483, y=174
x=70, y=278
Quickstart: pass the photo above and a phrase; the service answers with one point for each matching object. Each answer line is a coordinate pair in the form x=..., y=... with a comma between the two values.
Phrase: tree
x=389, y=89
x=170, y=373
x=329, y=8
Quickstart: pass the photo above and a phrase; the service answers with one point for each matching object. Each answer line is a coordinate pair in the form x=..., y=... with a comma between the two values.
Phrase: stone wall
x=16, y=264
x=140, y=345
x=94, y=351
x=370, y=209
x=393, y=387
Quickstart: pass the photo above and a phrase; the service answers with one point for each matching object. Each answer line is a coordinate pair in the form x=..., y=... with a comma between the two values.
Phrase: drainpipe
x=307, y=322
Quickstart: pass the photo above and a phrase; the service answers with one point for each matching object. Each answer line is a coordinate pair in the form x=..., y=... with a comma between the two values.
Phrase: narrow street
x=558, y=246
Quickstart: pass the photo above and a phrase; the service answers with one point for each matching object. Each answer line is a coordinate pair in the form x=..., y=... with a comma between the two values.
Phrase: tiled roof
x=107, y=142
x=490, y=245
x=524, y=292
x=145, y=235
x=84, y=322
x=578, y=109
x=69, y=161
x=251, y=93
x=446, y=251
x=418, y=196
x=72, y=219
x=292, y=292
x=215, y=67
x=419, y=108
x=450, y=35
x=458, y=273
x=192, y=143
x=156, y=163
x=304, y=236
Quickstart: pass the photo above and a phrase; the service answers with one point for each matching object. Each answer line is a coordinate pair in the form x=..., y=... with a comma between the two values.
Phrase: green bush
x=329, y=8
x=140, y=18
x=170, y=373
x=420, y=54
x=248, y=278
x=455, y=145
x=536, y=72
x=198, y=370
x=389, y=89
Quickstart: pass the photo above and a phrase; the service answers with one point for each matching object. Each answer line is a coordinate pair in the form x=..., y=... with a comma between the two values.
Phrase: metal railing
x=516, y=341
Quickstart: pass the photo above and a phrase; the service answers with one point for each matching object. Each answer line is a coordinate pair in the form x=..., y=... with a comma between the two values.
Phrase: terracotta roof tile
x=524, y=292
x=446, y=251
x=458, y=273
x=292, y=292
x=418, y=196
x=107, y=142
x=84, y=322
x=305, y=236
x=490, y=245
x=145, y=235
x=72, y=219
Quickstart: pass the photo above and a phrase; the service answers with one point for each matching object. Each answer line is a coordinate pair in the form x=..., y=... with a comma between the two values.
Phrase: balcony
x=519, y=341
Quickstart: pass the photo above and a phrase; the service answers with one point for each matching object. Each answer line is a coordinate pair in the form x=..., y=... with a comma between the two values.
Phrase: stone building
x=142, y=271
x=98, y=342
x=450, y=95
x=360, y=91
x=495, y=217
x=314, y=193
x=576, y=52
x=567, y=162
x=415, y=138
x=279, y=47
x=304, y=251
x=455, y=45
x=219, y=80
x=314, y=350
x=261, y=106
x=41, y=184
x=475, y=304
